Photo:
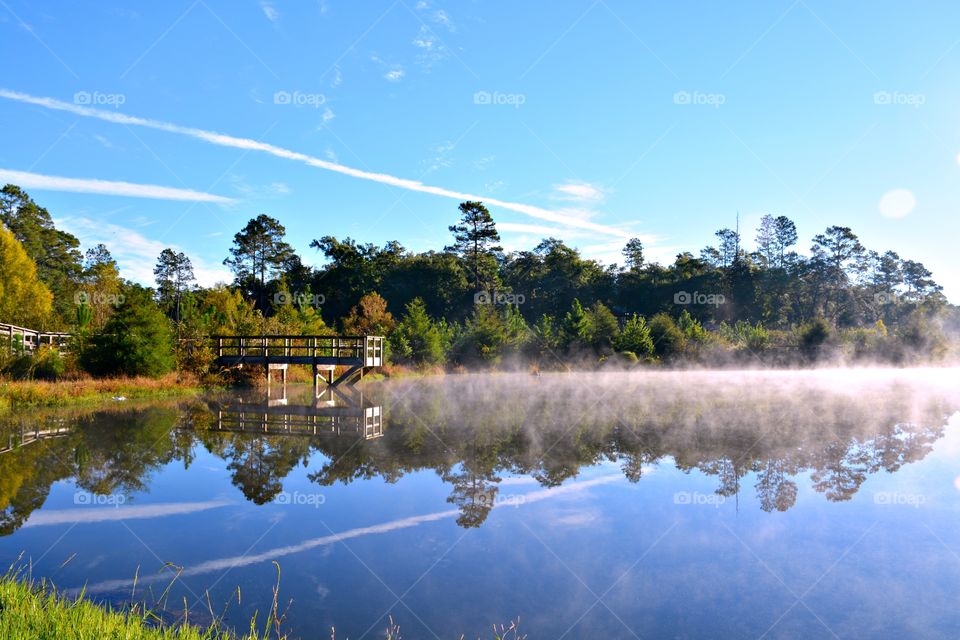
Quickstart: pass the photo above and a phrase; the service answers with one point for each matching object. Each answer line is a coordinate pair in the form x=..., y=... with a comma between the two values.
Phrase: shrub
x=813, y=335
x=48, y=364
x=417, y=338
x=668, y=339
x=136, y=341
x=635, y=338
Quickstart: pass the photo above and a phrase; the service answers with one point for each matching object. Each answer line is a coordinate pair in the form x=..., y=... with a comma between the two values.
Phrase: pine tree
x=475, y=241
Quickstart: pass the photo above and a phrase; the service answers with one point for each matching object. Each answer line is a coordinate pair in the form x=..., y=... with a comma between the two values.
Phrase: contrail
x=85, y=515
x=223, y=564
x=225, y=140
x=106, y=187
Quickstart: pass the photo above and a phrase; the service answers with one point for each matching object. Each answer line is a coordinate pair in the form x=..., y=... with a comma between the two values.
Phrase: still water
x=654, y=505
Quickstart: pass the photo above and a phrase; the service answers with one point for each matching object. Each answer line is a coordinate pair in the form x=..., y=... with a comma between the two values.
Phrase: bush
x=417, y=338
x=484, y=337
x=813, y=335
x=136, y=341
x=43, y=364
x=668, y=339
x=635, y=338
x=48, y=364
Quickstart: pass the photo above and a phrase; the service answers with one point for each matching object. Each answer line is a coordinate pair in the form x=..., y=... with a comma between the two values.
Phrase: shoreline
x=65, y=393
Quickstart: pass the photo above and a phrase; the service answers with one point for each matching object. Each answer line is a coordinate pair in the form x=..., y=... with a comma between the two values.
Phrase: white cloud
x=897, y=203
x=425, y=39
x=136, y=254
x=253, y=191
x=395, y=75
x=106, y=187
x=116, y=513
x=543, y=231
x=441, y=156
x=440, y=17
x=327, y=116
x=580, y=192
x=482, y=164
x=233, y=142
x=270, y=11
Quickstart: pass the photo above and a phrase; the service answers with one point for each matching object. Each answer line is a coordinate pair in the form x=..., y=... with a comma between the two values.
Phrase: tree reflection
x=473, y=436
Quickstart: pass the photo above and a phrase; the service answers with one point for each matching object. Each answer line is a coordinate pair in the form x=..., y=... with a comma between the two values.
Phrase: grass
x=33, y=393
x=36, y=611
x=32, y=610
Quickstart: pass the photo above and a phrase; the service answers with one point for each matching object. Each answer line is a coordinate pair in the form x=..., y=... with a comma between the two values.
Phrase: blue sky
x=590, y=121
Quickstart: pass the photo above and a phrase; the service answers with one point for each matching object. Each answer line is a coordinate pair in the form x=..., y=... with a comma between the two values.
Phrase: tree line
x=471, y=303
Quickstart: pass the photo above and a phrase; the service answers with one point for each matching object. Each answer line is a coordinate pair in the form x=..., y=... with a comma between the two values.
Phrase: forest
x=741, y=301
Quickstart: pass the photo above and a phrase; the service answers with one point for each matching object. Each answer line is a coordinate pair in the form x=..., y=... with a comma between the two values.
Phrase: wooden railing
x=27, y=340
x=365, y=349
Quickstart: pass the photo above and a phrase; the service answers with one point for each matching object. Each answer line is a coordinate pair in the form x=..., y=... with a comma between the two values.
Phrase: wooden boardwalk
x=23, y=436
x=355, y=355
x=29, y=340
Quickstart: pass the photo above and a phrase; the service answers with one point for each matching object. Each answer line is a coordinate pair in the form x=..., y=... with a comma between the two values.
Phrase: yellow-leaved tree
x=24, y=300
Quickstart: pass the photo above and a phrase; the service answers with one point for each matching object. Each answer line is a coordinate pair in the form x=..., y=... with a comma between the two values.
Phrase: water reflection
x=473, y=431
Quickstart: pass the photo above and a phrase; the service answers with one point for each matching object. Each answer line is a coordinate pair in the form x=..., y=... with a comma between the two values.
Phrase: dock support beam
x=283, y=373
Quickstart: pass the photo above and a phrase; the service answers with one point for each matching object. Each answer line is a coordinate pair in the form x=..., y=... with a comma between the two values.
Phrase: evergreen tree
x=259, y=252
x=136, y=340
x=174, y=275
x=475, y=241
x=417, y=338
x=635, y=338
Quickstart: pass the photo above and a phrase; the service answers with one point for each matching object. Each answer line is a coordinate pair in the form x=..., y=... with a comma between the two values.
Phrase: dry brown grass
x=42, y=393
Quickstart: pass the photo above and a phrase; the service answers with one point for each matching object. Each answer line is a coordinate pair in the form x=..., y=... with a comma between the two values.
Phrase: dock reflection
x=334, y=412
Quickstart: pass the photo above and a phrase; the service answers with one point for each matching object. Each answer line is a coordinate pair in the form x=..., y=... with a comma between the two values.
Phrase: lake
x=815, y=504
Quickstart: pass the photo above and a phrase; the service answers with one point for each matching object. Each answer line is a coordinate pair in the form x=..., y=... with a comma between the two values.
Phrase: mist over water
x=675, y=494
